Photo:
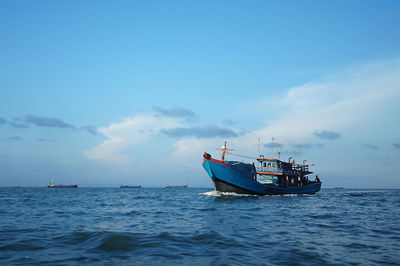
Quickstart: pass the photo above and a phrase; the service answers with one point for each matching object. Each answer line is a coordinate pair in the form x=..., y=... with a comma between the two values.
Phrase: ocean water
x=157, y=226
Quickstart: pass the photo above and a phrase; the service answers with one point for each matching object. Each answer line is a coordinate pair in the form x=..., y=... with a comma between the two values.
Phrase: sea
x=197, y=226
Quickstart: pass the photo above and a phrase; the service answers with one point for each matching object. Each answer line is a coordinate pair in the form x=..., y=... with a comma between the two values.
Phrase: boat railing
x=292, y=172
x=297, y=169
x=300, y=167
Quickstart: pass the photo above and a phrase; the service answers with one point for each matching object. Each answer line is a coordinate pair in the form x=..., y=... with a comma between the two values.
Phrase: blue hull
x=227, y=178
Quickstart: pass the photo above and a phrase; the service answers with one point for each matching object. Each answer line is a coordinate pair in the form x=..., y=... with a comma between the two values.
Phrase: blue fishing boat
x=271, y=176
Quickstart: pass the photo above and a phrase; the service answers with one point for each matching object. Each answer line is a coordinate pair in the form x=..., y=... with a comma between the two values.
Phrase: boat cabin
x=269, y=170
x=280, y=173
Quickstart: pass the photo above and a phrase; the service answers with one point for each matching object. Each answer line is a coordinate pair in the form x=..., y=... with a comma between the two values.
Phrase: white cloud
x=130, y=131
x=337, y=100
x=194, y=148
x=331, y=103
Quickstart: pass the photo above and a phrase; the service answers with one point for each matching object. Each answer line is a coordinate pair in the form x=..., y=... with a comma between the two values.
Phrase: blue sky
x=105, y=92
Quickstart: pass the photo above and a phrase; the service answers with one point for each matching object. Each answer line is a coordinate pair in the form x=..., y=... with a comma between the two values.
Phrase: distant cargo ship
x=127, y=186
x=51, y=185
x=171, y=186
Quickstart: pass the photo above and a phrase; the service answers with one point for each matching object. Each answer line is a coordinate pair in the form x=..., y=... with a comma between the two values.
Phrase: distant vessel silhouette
x=171, y=186
x=51, y=185
x=127, y=186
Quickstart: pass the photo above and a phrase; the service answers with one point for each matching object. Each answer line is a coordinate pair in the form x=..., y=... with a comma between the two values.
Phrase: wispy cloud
x=46, y=140
x=396, y=145
x=272, y=145
x=52, y=122
x=229, y=122
x=42, y=121
x=90, y=129
x=176, y=111
x=325, y=134
x=15, y=138
x=200, y=132
x=308, y=145
x=18, y=125
x=3, y=120
x=370, y=146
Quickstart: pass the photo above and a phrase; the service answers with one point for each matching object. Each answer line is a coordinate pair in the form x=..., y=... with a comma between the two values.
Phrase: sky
x=101, y=93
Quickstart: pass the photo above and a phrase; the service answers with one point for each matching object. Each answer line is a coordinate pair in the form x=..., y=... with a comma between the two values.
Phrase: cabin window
x=265, y=164
x=274, y=165
x=269, y=165
x=268, y=179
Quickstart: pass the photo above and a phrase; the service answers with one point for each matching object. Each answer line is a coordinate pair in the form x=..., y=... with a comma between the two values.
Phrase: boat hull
x=226, y=178
x=223, y=186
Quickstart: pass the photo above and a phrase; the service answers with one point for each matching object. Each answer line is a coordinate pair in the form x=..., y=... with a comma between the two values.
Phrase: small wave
x=362, y=194
x=117, y=242
x=163, y=242
x=322, y=216
x=358, y=246
x=130, y=213
x=28, y=244
x=77, y=237
x=214, y=193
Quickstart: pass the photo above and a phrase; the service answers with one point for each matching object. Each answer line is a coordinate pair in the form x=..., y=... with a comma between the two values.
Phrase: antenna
x=273, y=146
x=224, y=149
x=258, y=151
x=279, y=152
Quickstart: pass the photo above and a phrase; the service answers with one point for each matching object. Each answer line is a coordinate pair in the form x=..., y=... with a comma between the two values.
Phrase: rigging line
x=248, y=157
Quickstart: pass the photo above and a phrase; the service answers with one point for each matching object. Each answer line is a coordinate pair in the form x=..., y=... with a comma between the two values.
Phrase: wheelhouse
x=269, y=170
x=276, y=172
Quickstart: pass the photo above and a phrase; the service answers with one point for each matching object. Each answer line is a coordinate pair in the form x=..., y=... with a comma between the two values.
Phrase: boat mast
x=279, y=152
x=258, y=150
x=224, y=149
x=273, y=146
